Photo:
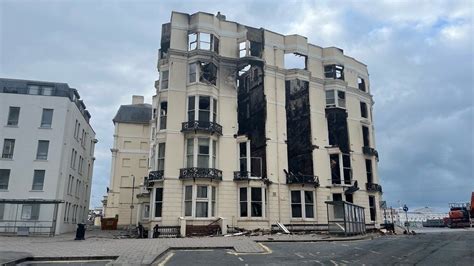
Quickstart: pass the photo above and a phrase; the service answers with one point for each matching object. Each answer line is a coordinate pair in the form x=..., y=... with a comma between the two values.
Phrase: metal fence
x=28, y=216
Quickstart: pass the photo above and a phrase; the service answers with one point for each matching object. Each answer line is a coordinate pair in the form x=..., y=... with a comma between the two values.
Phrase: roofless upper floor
x=205, y=33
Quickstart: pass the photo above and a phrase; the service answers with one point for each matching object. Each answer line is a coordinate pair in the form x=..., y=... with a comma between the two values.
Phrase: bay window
x=334, y=71
x=161, y=156
x=302, y=204
x=203, y=41
x=200, y=108
x=201, y=152
x=200, y=201
x=335, y=98
x=164, y=77
x=163, y=114
x=252, y=201
x=204, y=72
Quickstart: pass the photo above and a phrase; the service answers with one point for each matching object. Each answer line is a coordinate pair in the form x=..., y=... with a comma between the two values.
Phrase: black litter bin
x=80, y=232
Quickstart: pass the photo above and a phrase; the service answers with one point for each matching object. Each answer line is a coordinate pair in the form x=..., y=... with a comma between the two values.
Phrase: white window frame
x=211, y=200
x=212, y=114
x=199, y=43
x=341, y=168
x=163, y=115
x=162, y=80
x=336, y=98
x=212, y=150
x=153, y=214
x=245, y=48
x=249, y=203
x=144, y=211
x=303, y=204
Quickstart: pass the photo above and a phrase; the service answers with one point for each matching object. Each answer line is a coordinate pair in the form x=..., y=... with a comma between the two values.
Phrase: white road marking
x=358, y=248
x=375, y=252
x=317, y=261
x=240, y=259
x=167, y=258
x=345, y=261
x=344, y=245
x=299, y=255
x=312, y=254
x=333, y=262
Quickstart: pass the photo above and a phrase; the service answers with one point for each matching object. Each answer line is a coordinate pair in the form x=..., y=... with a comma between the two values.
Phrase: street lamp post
x=131, y=205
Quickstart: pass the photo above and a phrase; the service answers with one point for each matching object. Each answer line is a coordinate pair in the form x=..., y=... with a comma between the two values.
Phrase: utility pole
x=131, y=205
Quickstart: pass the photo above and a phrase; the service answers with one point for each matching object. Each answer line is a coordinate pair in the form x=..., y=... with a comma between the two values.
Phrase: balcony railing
x=247, y=176
x=292, y=178
x=152, y=177
x=200, y=173
x=156, y=175
x=370, y=151
x=372, y=187
x=205, y=126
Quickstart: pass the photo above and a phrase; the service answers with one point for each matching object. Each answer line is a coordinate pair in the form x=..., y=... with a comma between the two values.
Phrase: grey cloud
x=419, y=60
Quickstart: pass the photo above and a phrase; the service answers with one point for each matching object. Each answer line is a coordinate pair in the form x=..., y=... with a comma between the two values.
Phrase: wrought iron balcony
x=152, y=177
x=205, y=126
x=292, y=178
x=370, y=151
x=156, y=175
x=200, y=173
x=247, y=176
x=372, y=187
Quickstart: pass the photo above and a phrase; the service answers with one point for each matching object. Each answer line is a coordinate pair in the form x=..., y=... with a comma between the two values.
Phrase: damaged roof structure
x=261, y=128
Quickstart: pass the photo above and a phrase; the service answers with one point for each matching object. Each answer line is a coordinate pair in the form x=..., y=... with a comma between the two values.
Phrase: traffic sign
x=405, y=208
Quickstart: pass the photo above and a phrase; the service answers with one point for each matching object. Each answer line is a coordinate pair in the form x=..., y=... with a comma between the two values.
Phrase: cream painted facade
x=203, y=168
x=129, y=158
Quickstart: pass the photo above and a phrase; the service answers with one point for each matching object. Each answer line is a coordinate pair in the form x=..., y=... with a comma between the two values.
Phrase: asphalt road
x=455, y=247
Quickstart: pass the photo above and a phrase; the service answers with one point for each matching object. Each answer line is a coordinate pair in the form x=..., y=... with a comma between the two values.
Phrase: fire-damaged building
x=251, y=128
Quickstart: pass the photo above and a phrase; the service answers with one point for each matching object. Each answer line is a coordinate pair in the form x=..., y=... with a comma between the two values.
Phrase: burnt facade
x=258, y=127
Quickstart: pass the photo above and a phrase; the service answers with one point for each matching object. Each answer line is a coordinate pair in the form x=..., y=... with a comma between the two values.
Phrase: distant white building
x=47, y=157
x=415, y=217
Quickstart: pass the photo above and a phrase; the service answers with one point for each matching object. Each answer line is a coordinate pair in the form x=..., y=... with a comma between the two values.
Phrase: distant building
x=47, y=157
x=129, y=158
x=415, y=217
x=258, y=127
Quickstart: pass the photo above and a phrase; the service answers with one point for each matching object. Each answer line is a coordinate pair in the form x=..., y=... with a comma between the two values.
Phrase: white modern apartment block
x=254, y=127
x=47, y=158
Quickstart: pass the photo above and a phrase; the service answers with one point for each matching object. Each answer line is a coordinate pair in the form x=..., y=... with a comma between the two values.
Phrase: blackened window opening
x=252, y=111
x=372, y=208
x=363, y=110
x=361, y=84
x=368, y=167
x=334, y=71
x=299, y=144
x=365, y=135
x=337, y=129
x=335, y=169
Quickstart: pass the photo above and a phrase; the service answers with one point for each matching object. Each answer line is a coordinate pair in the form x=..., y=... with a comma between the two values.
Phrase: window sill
x=303, y=220
x=3, y=190
x=252, y=219
x=36, y=190
x=6, y=159
x=41, y=160
x=45, y=128
x=156, y=219
x=12, y=126
x=189, y=218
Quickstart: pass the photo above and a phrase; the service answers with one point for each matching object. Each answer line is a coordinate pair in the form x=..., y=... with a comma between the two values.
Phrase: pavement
x=110, y=245
x=274, y=249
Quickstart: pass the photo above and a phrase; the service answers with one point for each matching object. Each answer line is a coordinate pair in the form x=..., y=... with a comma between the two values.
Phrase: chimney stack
x=138, y=99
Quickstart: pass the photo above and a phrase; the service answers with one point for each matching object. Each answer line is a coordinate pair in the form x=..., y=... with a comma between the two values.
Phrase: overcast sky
x=419, y=55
